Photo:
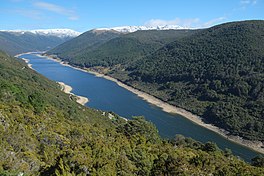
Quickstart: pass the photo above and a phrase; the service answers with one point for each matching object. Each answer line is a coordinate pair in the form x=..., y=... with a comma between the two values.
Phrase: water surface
x=108, y=96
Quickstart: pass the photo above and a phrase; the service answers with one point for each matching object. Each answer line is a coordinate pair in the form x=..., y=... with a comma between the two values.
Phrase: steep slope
x=15, y=42
x=93, y=39
x=217, y=73
x=125, y=48
x=44, y=132
x=85, y=42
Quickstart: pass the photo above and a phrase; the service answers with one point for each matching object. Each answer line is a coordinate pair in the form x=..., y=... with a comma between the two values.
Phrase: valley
x=131, y=88
x=110, y=96
x=255, y=145
x=18, y=41
x=191, y=74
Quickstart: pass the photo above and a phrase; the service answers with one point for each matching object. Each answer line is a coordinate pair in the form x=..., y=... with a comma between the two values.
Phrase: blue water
x=108, y=96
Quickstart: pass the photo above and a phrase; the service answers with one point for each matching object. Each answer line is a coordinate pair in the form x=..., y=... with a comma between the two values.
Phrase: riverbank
x=27, y=62
x=254, y=145
x=67, y=89
x=30, y=52
x=64, y=87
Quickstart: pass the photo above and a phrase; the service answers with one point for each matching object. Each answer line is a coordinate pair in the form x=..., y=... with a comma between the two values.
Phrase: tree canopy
x=44, y=132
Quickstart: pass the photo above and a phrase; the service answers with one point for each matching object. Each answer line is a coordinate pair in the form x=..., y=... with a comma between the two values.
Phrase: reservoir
x=108, y=96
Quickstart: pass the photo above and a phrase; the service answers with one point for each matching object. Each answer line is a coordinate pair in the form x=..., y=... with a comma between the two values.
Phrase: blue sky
x=83, y=15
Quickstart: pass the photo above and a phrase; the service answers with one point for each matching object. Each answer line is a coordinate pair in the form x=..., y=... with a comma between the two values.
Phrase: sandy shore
x=27, y=61
x=28, y=53
x=254, y=145
x=67, y=89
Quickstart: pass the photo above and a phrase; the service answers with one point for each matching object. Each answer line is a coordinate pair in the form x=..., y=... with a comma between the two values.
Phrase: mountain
x=85, y=42
x=19, y=41
x=115, y=50
x=62, y=33
x=129, y=29
x=43, y=131
x=216, y=73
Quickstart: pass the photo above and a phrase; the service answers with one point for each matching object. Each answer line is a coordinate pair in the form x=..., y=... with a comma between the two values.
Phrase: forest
x=43, y=131
x=216, y=73
x=109, y=48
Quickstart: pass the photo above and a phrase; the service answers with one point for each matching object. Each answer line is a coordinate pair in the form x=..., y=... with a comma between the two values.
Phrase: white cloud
x=213, y=22
x=248, y=2
x=181, y=22
x=245, y=2
x=190, y=23
x=57, y=9
x=34, y=14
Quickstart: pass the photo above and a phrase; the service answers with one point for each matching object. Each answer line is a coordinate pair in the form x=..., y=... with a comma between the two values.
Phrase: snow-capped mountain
x=20, y=41
x=129, y=29
x=62, y=33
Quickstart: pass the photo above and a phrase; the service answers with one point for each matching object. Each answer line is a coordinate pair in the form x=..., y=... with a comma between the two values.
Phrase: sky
x=84, y=15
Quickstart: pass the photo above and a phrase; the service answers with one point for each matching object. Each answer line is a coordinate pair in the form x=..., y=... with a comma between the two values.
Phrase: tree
x=210, y=147
x=258, y=161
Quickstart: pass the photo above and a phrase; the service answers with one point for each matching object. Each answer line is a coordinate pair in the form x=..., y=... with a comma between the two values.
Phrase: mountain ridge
x=62, y=33
x=121, y=47
x=130, y=29
x=86, y=41
x=20, y=41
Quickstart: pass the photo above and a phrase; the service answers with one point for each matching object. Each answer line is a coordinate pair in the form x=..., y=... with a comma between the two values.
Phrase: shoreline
x=27, y=62
x=64, y=87
x=253, y=145
x=67, y=89
x=257, y=146
x=30, y=52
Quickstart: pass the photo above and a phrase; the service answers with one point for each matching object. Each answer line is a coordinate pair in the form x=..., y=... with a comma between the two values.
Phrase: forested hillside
x=119, y=50
x=216, y=73
x=15, y=43
x=43, y=131
x=86, y=42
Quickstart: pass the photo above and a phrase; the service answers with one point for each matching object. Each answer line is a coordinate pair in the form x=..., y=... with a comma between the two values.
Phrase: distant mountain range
x=129, y=29
x=62, y=33
x=90, y=40
x=85, y=42
x=109, y=47
x=19, y=41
